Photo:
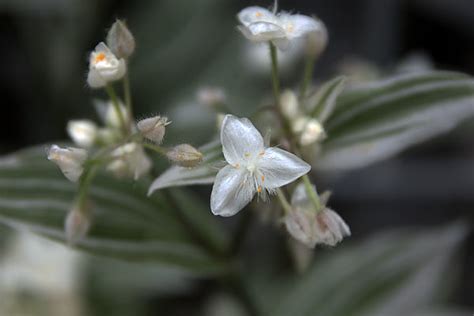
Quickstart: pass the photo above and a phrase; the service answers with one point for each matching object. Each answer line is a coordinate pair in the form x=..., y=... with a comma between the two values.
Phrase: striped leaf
x=322, y=102
x=377, y=120
x=126, y=223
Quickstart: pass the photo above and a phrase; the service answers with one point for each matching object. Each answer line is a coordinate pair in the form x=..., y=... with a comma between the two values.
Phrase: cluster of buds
x=308, y=129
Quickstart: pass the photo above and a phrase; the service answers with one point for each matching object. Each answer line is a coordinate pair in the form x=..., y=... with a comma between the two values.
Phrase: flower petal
x=280, y=167
x=239, y=139
x=298, y=25
x=232, y=190
x=300, y=199
x=255, y=14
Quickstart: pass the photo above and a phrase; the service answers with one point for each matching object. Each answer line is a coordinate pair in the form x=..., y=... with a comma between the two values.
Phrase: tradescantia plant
x=110, y=200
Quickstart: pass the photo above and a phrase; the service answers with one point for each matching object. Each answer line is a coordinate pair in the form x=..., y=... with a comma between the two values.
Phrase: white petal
x=300, y=199
x=232, y=190
x=240, y=139
x=299, y=225
x=298, y=25
x=280, y=167
x=255, y=14
x=262, y=31
x=95, y=80
x=282, y=44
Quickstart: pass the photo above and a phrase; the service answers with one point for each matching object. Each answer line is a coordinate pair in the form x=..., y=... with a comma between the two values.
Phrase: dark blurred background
x=184, y=44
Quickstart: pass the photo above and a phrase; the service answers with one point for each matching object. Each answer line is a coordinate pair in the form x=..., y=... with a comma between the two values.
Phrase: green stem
x=283, y=201
x=128, y=97
x=313, y=196
x=275, y=75
x=308, y=75
x=85, y=182
x=113, y=97
x=158, y=149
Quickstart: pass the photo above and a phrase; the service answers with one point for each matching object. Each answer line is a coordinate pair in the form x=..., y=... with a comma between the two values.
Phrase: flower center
x=99, y=57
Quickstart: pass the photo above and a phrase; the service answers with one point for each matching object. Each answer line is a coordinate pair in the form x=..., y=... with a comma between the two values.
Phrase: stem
x=84, y=185
x=158, y=149
x=128, y=96
x=283, y=201
x=113, y=97
x=313, y=196
x=308, y=75
x=275, y=76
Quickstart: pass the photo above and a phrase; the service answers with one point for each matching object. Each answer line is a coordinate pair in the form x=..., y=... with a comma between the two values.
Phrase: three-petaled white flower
x=262, y=25
x=104, y=67
x=70, y=160
x=251, y=168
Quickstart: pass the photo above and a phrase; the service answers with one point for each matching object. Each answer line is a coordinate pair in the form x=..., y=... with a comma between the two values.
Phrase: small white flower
x=70, y=160
x=261, y=25
x=289, y=104
x=311, y=227
x=130, y=161
x=211, y=96
x=82, y=132
x=312, y=132
x=251, y=168
x=120, y=40
x=104, y=67
x=77, y=224
x=153, y=128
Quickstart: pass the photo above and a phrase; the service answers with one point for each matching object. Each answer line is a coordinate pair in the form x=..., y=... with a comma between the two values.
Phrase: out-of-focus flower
x=82, y=132
x=317, y=41
x=130, y=161
x=261, y=25
x=289, y=104
x=70, y=160
x=251, y=168
x=77, y=223
x=104, y=67
x=108, y=113
x=153, y=128
x=312, y=227
x=312, y=132
x=211, y=97
x=121, y=40
x=185, y=155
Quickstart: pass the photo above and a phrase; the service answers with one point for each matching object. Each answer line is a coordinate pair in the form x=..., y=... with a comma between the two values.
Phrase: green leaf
x=377, y=120
x=126, y=223
x=394, y=273
x=202, y=174
x=322, y=102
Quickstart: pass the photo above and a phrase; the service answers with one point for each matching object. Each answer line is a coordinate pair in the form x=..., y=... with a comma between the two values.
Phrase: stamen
x=99, y=57
x=237, y=166
x=247, y=155
x=259, y=189
x=263, y=178
x=258, y=14
x=262, y=153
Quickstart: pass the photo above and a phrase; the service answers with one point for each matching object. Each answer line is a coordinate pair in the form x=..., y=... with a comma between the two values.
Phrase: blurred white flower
x=211, y=96
x=312, y=227
x=260, y=25
x=120, y=40
x=185, y=155
x=312, y=132
x=77, y=224
x=70, y=160
x=256, y=58
x=251, y=168
x=130, y=161
x=104, y=67
x=82, y=132
x=153, y=128
x=289, y=104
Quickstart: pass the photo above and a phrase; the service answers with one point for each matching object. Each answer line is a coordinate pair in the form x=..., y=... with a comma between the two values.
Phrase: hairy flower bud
x=82, y=132
x=185, y=155
x=77, y=224
x=153, y=128
x=120, y=40
x=212, y=97
x=70, y=160
x=289, y=104
x=130, y=161
x=312, y=131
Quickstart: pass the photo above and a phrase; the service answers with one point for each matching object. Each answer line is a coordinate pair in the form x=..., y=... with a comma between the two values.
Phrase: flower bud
x=130, y=161
x=317, y=41
x=185, y=155
x=112, y=118
x=311, y=132
x=104, y=67
x=153, y=128
x=212, y=97
x=120, y=40
x=289, y=104
x=82, y=132
x=77, y=224
x=330, y=228
x=298, y=124
x=299, y=225
x=70, y=160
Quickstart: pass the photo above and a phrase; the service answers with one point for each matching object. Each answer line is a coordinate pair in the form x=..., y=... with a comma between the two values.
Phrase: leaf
x=321, y=104
x=378, y=120
x=202, y=174
x=126, y=223
x=394, y=273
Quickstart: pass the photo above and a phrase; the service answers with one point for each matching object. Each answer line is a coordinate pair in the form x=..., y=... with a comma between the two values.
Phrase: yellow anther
x=237, y=166
x=258, y=14
x=247, y=155
x=262, y=153
x=99, y=57
x=263, y=178
x=259, y=189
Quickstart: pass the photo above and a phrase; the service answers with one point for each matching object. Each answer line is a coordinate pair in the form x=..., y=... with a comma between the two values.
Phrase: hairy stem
x=283, y=201
x=128, y=97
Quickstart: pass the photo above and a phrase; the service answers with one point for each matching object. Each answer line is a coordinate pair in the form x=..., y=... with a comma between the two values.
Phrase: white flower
x=130, y=161
x=153, y=128
x=211, y=96
x=70, y=160
x=104, y=67
x=251, y=168
x=261, y=25
x=82, y=132
x=312, y=132
x=77, y=224
x=120, y=40
x=289, y=104
x=311, y=227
